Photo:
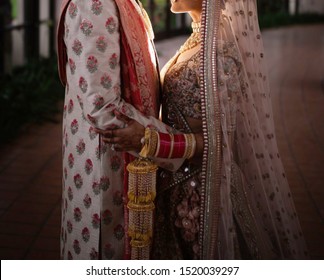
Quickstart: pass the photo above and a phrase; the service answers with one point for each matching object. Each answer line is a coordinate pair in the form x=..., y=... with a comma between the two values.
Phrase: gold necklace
x=194, y=39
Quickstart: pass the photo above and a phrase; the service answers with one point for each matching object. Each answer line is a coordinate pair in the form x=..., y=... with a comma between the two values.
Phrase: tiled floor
x=297, y=83
x=30, y=167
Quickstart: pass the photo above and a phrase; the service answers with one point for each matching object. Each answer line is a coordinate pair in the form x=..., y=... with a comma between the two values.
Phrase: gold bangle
x=157, y=144
x=172, y=145
x=194, y=146
x=186, y=148
x=150, y=142
x=153, y=143
x=189, y=145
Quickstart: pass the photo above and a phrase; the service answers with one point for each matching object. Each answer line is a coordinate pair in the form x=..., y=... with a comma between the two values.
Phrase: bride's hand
x=124, y=139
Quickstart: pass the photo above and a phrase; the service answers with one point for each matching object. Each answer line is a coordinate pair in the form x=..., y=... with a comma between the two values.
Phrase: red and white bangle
x=179, y=146
x=165, y=145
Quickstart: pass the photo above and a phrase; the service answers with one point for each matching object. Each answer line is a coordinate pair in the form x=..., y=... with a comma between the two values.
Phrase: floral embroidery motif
x=96, y=7
x=94, y=254
x=117, y=198
x=70, y=106
x=70, y=193
x=88, y=167
x=87, y=201
x=125, y=110
x=78, y=181
x=69, y=226
x=115, y=163
x=101, y=44
x=85, y=234
x=96, y=188
x=107, y=217
x=113, y=61
x=72, y=66
x=119, y=232
x=117, y=89
x=80, y=148
x=92, y=64
x=83, y=84
x=71, y=160
x=95, y=221
x=73, y=10
x=98, y=101
x=104, y=183
x=74, y=126
x=98, y=153
x=77, y=214
x=80, y=101
x=77, y=47
x=111, y=25
x=106, y=81
x=86, y=27
x=92, y=119
x=109, y=251
x=104, y=148
x=66, y=140
x=76, y=247
x=92, y=133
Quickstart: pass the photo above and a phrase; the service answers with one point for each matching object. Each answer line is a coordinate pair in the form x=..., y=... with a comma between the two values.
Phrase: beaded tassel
x=141, y=195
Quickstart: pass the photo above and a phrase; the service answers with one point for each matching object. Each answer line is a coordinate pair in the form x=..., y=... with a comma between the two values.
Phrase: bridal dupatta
x=244, y=185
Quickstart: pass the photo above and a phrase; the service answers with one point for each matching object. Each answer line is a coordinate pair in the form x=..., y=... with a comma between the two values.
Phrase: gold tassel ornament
x=141, y=195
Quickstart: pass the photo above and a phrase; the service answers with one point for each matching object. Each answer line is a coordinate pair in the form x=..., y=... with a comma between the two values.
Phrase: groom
x=107, y=63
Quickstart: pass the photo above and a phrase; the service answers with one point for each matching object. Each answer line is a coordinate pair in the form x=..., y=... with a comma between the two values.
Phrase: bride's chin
x=175, y=11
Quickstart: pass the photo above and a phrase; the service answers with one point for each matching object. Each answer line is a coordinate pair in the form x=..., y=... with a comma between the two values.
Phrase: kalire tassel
x=141, y=195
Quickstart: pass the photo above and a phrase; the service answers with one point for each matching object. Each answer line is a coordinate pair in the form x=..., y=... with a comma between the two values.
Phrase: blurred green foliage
x=272, y=7
x=14, y=8
x=282, y=19
x=157, y=11
x=29, y=94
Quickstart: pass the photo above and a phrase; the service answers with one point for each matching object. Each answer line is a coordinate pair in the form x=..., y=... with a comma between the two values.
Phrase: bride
x=230, y=199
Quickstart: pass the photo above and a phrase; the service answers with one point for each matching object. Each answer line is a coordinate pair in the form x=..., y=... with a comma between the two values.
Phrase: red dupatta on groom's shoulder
x=139, y=74
x=138, y=61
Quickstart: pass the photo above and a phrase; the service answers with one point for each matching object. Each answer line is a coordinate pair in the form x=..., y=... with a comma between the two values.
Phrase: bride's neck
x=195, y=15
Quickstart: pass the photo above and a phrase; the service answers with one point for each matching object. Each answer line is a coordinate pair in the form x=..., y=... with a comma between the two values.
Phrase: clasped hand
x=124, y=139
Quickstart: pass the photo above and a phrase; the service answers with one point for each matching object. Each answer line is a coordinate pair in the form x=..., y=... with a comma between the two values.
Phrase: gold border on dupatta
x=212, y=157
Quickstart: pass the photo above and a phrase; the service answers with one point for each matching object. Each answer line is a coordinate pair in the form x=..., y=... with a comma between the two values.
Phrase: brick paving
x=30, y=166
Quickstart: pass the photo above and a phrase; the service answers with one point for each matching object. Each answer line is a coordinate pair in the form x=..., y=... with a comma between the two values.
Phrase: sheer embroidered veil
x=241, y=161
